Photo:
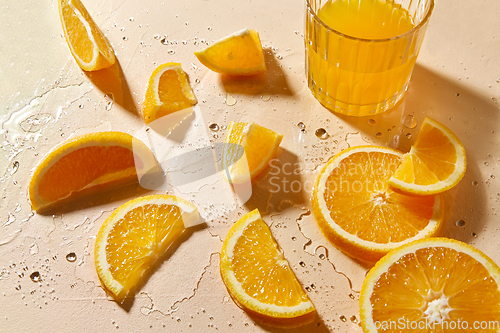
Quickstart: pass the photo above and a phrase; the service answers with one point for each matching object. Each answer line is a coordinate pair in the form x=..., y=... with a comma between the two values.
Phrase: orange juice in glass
x=360, y=53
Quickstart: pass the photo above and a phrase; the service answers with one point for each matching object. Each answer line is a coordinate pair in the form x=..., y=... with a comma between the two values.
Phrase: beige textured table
x=46, y=98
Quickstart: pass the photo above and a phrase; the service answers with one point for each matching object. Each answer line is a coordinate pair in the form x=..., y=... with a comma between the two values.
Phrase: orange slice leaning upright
x=89, y=164
x=435, y=163
x=87, y=43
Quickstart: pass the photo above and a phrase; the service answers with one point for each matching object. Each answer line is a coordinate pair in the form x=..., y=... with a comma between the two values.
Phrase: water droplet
x=214, y=127
x=475, y=183
x=15, y=167
x=321, y=133
x=378, y=135
x=301, y=125
x=71, y=256
x=408, y=136
x=125, y=38
x=409, y=121
x=307, y=289
x=156, y=36
x=322, y=256
x=294, y=238
x=372, y=122
x=343, y=318
x=492, y=176
x=474, y=234
x=209, y=28
x=265, y=98
x=197, y=81
x=81, y=106
x=230, y=100
x=111, y=99
x=184, y=42
x=303, y=264
x=35, y=276
x=354, y=319
x=17, y=287
x=164, y=40
x=351, y=296
x=131, y=19
x=171, y=52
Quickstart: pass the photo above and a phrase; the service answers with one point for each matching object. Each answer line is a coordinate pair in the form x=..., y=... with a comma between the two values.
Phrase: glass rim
x=378, y=40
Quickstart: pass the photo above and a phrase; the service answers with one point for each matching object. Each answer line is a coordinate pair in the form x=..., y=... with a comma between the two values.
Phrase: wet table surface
x=47, y=274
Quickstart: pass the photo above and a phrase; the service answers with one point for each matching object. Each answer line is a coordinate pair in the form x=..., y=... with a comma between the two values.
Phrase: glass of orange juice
x=360, y=53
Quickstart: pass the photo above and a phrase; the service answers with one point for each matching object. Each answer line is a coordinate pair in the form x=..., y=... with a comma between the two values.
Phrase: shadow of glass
x=128, y=301
x=111, y=81
x=272, y=82
x=280, y=186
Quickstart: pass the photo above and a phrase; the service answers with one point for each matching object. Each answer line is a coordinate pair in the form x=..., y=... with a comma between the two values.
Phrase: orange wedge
x=237, y=54
x=435, y=163
x=360, y=214
x=432, y=285
x=168, y=91
x=135, y=235
x=87, y=43
x=259, y=144
x=259, y=278
x=88, y=164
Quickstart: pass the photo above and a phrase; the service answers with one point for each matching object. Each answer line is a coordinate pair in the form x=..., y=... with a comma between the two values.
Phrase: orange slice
x=168, y=91
x=259, y=278
x=435, y=163
x=259, y=144
x=87, y=43
x=432, y=285
x=360, y=214
x=88, y=164
x=237, y=54
x=135, y=235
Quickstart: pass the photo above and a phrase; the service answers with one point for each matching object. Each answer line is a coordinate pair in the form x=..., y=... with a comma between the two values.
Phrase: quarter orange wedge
x=360, y=214
x=259, y=144
x=168, y=91
x=259, y=278
x=432, y=285
x=238, y=54
x=135, y=235
x=435, y=163
x=88, y=164
x=87, y=43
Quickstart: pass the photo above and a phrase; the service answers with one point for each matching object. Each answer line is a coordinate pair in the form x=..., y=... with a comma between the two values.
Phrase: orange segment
x=436, y=283
x=87, y=164
x=360, y=214
x=135, y=235
x=168, y=91
x=435, y=163
x=260, y=146
x=237, y=54
x=259, y=278
x=87, y=43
